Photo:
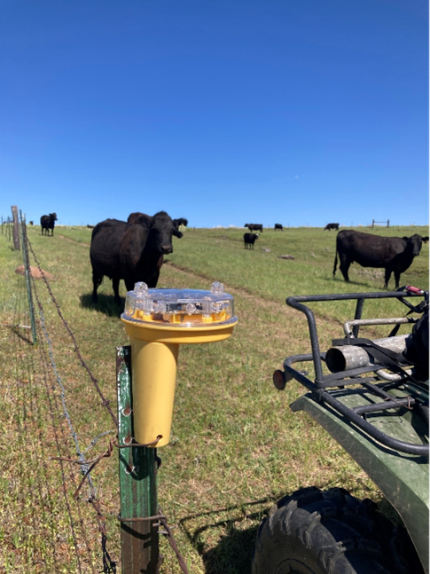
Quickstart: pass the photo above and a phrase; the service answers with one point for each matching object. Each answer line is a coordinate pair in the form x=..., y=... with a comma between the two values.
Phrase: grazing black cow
x=249, y=240
x=47, y=222
x=330, y=226
x=254, y=226
x=394, y=254
x=130, y=252
x=279, y=226
x=30, y=223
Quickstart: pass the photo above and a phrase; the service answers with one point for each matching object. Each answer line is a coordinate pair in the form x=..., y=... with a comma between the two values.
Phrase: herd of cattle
x=134, y=250
x=394, y=254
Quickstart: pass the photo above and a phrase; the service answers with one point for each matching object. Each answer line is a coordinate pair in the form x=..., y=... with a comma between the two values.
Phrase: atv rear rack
x=404, y=394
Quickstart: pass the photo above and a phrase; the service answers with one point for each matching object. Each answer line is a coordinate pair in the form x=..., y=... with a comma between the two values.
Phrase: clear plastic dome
x=179, y=307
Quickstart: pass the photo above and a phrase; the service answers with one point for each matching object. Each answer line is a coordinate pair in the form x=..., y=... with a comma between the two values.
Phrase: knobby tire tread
x=331, y=532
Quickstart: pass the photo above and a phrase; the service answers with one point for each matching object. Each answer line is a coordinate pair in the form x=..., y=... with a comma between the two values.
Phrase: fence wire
x=56, y=517
x=43, y=527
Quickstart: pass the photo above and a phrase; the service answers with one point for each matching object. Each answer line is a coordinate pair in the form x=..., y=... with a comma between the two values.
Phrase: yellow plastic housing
x=155, y=338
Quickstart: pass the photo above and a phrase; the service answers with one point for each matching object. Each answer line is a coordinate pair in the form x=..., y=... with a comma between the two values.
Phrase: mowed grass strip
x=236, y=447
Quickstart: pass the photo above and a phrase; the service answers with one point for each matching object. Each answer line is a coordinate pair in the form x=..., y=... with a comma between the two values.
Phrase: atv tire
x=331, y=532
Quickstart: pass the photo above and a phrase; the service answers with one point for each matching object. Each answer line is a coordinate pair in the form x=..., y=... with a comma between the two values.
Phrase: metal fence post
x=15, y=227
x=138, y=483
x=27, y=277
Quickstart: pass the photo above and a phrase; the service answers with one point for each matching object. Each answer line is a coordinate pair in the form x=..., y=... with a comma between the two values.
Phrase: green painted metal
x=402, y=478
x=137, y=481
x=16, y=241
x=27, y=278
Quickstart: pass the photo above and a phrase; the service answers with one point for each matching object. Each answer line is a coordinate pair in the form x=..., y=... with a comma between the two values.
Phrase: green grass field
x=236, y=447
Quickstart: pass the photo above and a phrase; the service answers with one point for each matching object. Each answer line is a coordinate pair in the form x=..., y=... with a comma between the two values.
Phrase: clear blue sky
x=225, y=112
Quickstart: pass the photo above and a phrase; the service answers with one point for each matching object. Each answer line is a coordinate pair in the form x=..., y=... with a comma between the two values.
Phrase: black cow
x=394, y=254
x=330, y=226
x=181, y=221
x=47, y=222
x=254, y=226
x=143, y=219
x=249, y=240
x=140, y=218
x=279, y=226
x=130, y=252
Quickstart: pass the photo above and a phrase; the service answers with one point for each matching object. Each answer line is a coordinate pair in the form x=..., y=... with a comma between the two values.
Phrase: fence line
x=28, y=277
x=386, y=223
x=108, y=564
x=45, y=423
x=46, y=362
x=105, y=402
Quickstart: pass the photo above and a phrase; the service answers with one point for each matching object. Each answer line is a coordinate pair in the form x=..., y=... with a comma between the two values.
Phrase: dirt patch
x=34, y=272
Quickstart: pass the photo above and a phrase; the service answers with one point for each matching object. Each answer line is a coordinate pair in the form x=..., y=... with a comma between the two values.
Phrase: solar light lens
x=180, y=307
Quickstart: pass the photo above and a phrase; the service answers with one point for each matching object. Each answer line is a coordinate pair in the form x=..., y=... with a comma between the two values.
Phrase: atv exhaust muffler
x=348, y=357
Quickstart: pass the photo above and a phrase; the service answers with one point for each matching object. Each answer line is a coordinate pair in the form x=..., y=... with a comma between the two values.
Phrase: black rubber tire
x=331, y=532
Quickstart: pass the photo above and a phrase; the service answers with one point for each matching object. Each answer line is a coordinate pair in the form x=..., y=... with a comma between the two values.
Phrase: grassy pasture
x=236, y=447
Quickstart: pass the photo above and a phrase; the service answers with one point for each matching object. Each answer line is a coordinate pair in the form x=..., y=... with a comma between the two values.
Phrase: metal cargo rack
x=368, y=396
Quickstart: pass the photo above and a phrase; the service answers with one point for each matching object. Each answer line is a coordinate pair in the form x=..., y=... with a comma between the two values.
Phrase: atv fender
x=402, y=478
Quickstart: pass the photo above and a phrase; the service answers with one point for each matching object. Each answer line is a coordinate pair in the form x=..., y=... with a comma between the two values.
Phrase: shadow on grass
x=105, y=304
x=233, y=554
x=338, y=280
x=24, y=335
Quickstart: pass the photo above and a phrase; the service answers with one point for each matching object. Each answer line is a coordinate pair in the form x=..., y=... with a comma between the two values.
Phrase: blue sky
x=221, y=111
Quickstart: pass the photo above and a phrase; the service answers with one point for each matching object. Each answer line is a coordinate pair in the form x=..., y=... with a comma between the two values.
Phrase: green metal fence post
x=27, y=277
x=138, y=483
x=15, y=227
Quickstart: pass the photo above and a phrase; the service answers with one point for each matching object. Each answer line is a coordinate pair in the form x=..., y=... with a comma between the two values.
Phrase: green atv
x=374, y=402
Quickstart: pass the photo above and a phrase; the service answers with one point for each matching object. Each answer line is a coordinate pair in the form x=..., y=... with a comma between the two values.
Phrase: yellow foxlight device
x=157, y=321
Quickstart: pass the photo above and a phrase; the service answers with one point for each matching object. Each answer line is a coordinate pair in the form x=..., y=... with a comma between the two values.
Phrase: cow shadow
x=105, y=304
x=366, y=284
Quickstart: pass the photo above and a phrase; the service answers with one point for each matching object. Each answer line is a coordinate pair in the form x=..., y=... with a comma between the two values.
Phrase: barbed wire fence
x=6, y=227
x=57, y=516
x=45, y=523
